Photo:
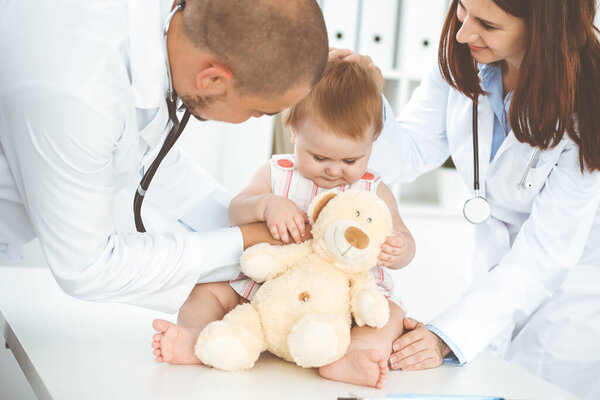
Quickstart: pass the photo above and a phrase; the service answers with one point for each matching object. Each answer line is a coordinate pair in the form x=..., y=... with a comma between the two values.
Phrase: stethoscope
x=477, y=209
x=173, y=135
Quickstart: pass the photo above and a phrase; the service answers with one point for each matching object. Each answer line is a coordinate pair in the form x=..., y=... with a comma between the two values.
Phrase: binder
x=419, y=34
x=378, y=28
x=341, y=19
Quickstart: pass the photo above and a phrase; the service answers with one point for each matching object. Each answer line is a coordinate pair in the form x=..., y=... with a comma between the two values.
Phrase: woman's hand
x=418, y=348
x=282, y=216
x=345, y=54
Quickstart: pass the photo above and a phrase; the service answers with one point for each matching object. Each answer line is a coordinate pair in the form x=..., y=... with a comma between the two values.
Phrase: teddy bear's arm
x=367, y=304
x=264, y=261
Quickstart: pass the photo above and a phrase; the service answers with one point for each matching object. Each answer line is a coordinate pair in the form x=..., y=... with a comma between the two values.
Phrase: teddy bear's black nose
x=356, y=237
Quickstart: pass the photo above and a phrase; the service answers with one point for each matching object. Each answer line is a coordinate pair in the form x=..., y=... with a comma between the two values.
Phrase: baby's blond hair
x=346, y=101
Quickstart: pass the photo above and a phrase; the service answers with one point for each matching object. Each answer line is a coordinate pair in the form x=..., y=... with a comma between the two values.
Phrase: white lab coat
x=82, y=109
x=535, y=296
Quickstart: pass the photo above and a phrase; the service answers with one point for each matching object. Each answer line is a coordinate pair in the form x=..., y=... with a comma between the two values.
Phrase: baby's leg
x=207, y=302
x=365, y=362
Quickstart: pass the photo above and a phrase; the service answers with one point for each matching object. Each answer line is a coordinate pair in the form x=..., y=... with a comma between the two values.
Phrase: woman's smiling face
x=490, y=32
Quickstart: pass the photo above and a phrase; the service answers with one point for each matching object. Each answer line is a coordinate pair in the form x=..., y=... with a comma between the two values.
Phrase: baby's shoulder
x=283, y=162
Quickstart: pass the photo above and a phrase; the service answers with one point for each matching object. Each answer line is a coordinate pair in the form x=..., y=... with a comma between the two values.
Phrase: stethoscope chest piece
x=476, y=210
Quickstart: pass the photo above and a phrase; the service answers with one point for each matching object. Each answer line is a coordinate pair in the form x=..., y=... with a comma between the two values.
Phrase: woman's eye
x=349, y=162
x=369, y=220
x=357, y=213
x=488, y=27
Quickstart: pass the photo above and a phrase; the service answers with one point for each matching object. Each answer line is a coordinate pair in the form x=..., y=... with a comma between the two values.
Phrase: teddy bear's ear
x=317, y=205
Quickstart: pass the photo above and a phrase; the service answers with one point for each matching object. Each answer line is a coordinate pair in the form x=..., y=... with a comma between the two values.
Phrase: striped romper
x=287, y=182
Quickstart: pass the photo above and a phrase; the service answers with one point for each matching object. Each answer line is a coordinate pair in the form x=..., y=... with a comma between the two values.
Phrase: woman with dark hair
x=515, y=101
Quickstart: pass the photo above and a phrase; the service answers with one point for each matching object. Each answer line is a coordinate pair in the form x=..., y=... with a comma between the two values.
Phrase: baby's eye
x=349, y=162
x=369, y=220
x=357, y=213
x=317, y=158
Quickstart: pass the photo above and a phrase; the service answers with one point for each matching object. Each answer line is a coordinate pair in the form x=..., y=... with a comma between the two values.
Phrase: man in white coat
x=83, y=112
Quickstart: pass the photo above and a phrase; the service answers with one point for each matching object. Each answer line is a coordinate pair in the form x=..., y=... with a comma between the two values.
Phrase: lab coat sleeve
x=416, y=142
x=550, y=242
x=61, y=154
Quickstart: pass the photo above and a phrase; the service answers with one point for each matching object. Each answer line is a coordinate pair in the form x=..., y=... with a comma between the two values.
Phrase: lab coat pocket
x=527, y=184
x=516, y=179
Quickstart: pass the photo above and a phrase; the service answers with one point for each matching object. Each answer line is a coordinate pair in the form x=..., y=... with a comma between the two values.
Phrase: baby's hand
x=392, y=250
x=282, y=216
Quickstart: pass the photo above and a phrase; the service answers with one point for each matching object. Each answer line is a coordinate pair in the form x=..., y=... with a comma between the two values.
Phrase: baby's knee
x=223, y=292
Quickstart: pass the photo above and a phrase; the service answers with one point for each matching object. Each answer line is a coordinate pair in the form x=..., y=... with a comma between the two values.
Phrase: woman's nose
x=467, y=32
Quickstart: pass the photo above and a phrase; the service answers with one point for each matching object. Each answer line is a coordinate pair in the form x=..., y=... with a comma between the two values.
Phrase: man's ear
x=213, y=80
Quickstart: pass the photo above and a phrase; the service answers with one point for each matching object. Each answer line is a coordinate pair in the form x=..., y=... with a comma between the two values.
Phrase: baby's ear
x=317, y=205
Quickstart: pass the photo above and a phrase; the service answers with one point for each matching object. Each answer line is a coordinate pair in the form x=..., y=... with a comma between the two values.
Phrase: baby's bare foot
x=365, y=367
x=174, y=344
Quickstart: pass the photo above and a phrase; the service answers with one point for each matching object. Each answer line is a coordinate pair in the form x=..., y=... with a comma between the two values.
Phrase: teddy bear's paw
x=227, y=347
x=373, y=310
x=318, y=340
x=258, y=264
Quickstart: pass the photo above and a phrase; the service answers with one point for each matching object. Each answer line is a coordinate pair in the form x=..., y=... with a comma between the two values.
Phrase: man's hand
x=418, y=348
x=345, y=54
x=282, y=216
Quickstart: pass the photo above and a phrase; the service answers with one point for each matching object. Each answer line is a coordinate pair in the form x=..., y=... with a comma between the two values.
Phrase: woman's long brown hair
x=558, y=85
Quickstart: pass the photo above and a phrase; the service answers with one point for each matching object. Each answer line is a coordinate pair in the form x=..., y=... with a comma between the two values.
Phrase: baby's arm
x=398, y=250
x=256, y=203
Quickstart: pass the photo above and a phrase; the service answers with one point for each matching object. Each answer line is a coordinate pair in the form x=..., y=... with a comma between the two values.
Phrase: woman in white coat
x=532, y=69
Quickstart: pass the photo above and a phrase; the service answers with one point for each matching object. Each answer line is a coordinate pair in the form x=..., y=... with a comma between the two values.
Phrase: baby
x=333, y=130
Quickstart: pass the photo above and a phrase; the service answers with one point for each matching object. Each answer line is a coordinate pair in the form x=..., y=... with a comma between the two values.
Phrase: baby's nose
x=333, y=171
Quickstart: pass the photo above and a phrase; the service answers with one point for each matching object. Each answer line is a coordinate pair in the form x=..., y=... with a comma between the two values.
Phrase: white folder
x=419, y=34
x=377, y=37
x=341, y=18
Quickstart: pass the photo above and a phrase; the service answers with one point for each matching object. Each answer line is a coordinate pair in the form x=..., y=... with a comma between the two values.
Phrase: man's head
x=233, y=59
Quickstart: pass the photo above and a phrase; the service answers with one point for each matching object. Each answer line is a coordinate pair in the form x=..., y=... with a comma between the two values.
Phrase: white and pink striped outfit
x=287, y=182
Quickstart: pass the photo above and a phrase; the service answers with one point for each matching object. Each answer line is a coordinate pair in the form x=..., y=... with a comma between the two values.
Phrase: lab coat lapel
x=509, y=141
x=148, y=67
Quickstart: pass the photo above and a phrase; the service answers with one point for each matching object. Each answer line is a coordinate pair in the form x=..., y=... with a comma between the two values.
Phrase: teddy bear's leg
x=373, y=309
x=319, y=339
x=234, y=343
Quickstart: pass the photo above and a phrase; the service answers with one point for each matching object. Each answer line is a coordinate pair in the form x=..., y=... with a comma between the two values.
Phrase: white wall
x=229, y=152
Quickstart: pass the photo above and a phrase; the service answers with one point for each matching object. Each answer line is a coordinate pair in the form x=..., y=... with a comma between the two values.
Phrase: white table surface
x=71, y=349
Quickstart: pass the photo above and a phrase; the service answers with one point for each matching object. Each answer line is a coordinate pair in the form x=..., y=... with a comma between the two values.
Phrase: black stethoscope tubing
x=171, y=138
x=475, y=149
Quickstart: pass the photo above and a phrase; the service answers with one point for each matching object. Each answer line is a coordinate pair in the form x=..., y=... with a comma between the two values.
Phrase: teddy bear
x=303, y=310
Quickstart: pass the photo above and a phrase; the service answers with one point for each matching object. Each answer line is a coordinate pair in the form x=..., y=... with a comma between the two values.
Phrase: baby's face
x=329, y=160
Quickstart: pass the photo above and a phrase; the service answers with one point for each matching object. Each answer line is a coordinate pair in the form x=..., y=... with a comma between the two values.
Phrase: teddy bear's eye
x=357, y=213
x=369, y=220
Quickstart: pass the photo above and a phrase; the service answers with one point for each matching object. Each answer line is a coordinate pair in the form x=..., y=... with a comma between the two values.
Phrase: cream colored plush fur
x=303, y=311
